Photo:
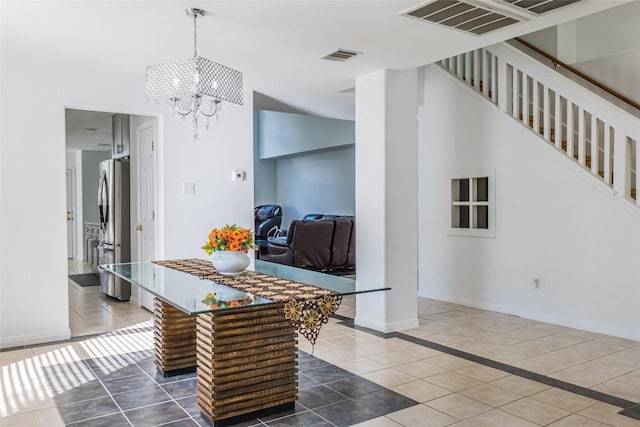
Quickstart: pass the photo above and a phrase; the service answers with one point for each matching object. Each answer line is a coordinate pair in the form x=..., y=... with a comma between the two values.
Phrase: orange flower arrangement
x=229, y=238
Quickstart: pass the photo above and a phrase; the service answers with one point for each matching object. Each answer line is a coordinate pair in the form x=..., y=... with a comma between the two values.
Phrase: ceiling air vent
x=466, y=16
x=341, y=55
x=540, y=6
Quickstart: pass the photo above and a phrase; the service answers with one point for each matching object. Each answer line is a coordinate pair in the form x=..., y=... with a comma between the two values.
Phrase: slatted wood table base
x=247, y=362
x=175, y=339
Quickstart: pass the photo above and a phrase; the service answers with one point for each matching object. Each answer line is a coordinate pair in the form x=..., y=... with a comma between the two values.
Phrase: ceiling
x=88, y=130
x=278, y=45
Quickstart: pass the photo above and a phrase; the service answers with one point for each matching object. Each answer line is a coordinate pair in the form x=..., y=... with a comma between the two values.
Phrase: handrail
x=580, y=74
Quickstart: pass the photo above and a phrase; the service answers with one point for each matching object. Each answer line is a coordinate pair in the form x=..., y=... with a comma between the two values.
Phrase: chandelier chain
x=195, y=35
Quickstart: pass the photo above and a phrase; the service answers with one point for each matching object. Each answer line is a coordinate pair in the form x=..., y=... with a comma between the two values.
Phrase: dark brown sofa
x=322, y=245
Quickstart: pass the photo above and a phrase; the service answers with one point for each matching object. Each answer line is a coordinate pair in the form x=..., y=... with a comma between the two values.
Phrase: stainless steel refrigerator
x=113, y=214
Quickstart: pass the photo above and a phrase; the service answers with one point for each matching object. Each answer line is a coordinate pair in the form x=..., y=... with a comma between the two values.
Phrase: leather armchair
x=267, y=223
x=340, y=243
x=321, y=244
x=307, y=245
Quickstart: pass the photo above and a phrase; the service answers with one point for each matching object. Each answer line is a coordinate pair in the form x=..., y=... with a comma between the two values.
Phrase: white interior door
x=71, y=222
x=146, y=228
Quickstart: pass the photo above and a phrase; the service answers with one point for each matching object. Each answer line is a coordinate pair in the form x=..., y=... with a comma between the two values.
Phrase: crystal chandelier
x=196, y=85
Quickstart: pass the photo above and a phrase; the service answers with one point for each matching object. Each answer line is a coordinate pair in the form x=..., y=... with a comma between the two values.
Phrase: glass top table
x=187, y=292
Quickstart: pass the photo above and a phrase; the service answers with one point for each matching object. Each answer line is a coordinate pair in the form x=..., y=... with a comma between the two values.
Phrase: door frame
x=151, y=124
x=71, y=200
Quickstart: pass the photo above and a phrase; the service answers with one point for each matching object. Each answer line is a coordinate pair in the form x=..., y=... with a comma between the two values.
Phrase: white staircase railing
x=586, y=128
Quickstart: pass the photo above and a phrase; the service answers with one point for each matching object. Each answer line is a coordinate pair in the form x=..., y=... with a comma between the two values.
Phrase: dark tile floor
x=129, y=392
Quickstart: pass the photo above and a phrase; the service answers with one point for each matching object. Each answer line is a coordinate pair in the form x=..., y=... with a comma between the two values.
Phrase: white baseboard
x=557, y=319
x=29, y=339
x=386, y=327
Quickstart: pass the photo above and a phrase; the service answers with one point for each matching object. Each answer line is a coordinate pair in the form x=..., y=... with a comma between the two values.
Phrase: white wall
x=553, y=221
x=264, y=179
x=316, y=183
x=33, y=301
x=317, y=172
x=611, y=56
x=284, y=134
x=605, y=46
x=611, y=31
x=544, y=39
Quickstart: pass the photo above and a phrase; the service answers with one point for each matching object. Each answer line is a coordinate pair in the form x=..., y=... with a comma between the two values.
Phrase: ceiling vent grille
x=540, y=6
x=341, y=55
x=466, y=16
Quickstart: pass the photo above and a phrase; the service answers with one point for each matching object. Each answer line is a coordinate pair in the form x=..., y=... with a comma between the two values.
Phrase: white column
x=386, y=199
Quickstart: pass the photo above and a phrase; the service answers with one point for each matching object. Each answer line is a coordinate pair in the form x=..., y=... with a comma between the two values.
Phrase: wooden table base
x=247, y=361
x=246, y=358
x=175, y=339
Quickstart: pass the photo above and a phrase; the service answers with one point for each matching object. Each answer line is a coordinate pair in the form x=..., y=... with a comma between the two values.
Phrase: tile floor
x=92, y=312
x=41, y=385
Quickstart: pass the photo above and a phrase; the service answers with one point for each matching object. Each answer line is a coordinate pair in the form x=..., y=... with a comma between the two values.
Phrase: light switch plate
x=189, y=188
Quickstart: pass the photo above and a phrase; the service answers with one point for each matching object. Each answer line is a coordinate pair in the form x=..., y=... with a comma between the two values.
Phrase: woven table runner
x=307, y=307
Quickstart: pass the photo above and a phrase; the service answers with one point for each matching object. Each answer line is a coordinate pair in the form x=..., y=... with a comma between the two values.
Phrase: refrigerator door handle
x=103, y=204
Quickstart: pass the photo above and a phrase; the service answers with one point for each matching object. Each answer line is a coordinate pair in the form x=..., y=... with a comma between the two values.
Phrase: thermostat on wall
x=238, y=175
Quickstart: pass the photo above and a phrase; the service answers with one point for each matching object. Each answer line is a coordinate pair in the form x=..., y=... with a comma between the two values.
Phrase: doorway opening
x=94, y=138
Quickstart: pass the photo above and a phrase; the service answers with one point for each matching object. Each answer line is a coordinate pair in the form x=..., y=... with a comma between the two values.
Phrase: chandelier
x=196, y=85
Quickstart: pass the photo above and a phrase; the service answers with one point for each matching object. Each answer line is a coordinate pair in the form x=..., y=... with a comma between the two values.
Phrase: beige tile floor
x=451, y=391
x=92, y=312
